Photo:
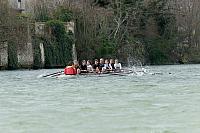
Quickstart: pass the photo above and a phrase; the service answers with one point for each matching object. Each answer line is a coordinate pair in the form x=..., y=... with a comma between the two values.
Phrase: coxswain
x=70, y=69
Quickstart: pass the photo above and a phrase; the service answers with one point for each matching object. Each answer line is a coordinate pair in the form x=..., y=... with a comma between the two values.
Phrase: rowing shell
x=96, y=74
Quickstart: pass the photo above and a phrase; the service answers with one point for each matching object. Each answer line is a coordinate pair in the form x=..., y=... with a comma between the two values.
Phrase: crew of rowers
x=99, y=66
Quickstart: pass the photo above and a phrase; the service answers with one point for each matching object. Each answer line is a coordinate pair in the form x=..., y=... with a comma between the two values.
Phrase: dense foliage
x=12, y=56
x=58, y=45
x=57, y=41
x=153, y=32
x=126, y=29
x=37, y=52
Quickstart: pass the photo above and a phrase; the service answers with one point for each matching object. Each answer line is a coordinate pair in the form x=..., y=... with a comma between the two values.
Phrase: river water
x=165, y=102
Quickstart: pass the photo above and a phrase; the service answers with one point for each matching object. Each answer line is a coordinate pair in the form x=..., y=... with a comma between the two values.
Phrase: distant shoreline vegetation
x=156, y=32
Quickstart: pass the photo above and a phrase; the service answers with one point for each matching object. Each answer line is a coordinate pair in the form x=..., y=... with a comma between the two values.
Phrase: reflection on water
x=151, y=103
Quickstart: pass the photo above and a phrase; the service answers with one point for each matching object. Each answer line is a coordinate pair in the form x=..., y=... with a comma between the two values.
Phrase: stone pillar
x=25, y=56
x=25, y=52
x=42, y=54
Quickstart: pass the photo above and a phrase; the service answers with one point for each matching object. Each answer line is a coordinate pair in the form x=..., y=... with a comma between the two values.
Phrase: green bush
x=159, y=51
x=58, y=45
x=63, y=14
x=12, y=56
x=106, y=48
x=37, y=53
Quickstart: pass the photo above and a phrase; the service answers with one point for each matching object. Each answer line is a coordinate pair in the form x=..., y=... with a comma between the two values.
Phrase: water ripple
x=167, y=103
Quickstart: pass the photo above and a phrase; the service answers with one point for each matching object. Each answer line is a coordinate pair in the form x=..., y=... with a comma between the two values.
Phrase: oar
x=122, y=73
x=52, y=74
x=58, y=74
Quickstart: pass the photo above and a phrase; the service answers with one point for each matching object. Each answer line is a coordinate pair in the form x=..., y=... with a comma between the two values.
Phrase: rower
x=76, y=64
x=107, y=66
x=117, y=65
x=101, y=65
x=112, y=64
x=89, y=66
x=84, y=67
x=96, y=66
x=70, y=69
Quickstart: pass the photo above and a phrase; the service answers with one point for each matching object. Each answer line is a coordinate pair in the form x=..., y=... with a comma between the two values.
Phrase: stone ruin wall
x=25, y=56
x=25, y=52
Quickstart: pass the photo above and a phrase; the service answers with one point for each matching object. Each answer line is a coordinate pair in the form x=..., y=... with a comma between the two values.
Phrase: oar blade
x=49, y=75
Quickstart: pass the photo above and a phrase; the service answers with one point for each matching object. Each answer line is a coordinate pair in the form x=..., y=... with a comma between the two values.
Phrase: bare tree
x=188, y=26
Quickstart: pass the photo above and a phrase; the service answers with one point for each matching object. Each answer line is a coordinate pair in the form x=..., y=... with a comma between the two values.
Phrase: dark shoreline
x=2, y=68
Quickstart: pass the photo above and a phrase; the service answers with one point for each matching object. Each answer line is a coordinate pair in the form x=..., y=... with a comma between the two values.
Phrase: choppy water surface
x=161, y=103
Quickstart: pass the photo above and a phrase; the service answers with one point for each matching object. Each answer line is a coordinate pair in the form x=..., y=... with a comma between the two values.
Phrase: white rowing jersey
x=118, y=66
x=89, y=68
